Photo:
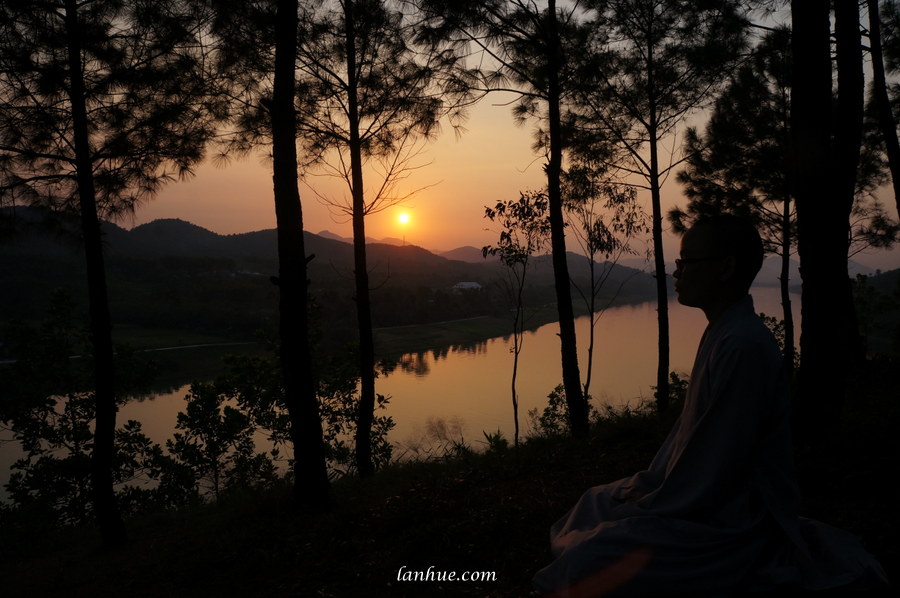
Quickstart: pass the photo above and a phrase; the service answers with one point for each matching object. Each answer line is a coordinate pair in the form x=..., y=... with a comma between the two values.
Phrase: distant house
x=463, y=287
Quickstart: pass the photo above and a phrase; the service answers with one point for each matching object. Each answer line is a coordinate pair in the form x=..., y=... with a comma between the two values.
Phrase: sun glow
x=403, y=218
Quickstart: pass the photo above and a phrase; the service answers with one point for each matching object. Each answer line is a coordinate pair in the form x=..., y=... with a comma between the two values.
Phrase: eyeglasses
x=679, y=263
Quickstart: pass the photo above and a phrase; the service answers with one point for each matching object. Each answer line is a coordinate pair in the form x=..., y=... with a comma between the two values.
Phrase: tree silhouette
x=604, y=218
x=825, y=140
x=528, y=48
x=310, y=469
x=258, y=47
x=367, y=93
x=739, y=165
x=100, y=104
x=880, y=93
x=524, y=231
x=653, y=63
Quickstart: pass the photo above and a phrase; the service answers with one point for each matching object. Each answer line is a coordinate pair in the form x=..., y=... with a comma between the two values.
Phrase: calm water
x=461, y=392
x=467, y=391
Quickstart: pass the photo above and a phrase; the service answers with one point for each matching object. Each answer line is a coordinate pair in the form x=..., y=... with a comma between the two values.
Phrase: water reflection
x=471, y=386
x=442, y=397
x=419, y=364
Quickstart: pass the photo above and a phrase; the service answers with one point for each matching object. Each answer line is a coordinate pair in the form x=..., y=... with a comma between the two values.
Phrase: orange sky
x=492, y=160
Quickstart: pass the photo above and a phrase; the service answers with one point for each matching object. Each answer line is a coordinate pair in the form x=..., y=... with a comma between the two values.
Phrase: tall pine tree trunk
x=847, y=148
x=112, y=528
x=575, y=400
x=366, y=416
x=662, y=290
x=886, y=122
x=811, y=143
x=310, y=471
x=823, y=184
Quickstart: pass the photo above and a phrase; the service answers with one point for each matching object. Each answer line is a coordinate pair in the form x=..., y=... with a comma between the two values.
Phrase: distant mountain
x=467, y=253
x=173, y=272
x=36, y=232
x=327, y=234
x=369, y=240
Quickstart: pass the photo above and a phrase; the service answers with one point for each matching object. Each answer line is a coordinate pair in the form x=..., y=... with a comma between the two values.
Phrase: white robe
x=717, y=508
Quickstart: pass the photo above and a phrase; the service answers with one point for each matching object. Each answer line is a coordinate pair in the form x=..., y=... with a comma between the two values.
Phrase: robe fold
x=716, y=510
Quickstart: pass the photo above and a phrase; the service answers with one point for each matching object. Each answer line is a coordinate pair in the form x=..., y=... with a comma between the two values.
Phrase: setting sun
x=403, y=218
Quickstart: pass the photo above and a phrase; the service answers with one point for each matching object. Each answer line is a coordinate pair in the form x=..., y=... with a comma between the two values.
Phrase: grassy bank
x=472, y=513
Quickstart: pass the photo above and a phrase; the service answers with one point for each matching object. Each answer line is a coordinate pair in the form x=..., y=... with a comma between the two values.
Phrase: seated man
x=716, y=511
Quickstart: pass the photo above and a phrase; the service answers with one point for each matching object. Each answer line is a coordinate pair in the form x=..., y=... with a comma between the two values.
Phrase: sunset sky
x=492, y=160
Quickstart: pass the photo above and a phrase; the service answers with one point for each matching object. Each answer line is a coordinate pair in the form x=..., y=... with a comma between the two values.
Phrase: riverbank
x=486, y=513
x=391, y=342
x=399, y=340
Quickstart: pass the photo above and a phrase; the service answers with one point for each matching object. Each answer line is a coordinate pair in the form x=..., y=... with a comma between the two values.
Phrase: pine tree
x=101, y=103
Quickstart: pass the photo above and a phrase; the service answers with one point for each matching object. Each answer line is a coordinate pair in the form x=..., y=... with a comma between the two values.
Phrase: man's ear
x=729, y=265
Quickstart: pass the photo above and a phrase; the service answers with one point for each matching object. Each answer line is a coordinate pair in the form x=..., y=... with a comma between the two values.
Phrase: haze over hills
x=49, y=234
x=172, y=273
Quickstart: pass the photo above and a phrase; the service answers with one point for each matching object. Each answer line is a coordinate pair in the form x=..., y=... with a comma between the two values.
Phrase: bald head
x=728, y=236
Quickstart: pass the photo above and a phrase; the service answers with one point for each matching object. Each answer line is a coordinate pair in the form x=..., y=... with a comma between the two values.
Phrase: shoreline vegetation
x=395, y=341
x=183, y=356
x=391, y=341
x=466, y=511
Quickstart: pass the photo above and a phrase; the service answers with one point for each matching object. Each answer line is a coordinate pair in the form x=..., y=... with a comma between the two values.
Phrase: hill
x=174, y=274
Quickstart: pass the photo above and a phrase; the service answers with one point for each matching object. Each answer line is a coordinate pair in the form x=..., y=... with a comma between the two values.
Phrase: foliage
x=554, y=420
x=652, y=64
x=511, y=41
x=678, y=384
x=46, y=408
x=878, y=313
x=398, y=91
x=100, y=104
x=777, y=328
x=214, y=440
x=495, y=441
x=251, y=384
x=529, y=49
x=604, y=215
x=605, y=218
x=442, y=441
x=150, y=106
x=740, y=164
x=525, y=227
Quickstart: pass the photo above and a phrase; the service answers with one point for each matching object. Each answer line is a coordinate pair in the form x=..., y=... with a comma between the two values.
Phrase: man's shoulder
x=746, y=331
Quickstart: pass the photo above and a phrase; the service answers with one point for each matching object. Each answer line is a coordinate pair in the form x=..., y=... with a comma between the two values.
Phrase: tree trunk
x=310, y=470
x=784, y=283
x=882, y=103
x=592, y=306
x=662, y=290
x=819, y=214
x=787, y=234
x=578, y=414
x=112, y=529
x=364, y=461
x=847, y=146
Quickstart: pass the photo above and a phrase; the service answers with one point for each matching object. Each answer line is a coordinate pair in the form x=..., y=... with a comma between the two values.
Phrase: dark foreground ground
x=476, y=513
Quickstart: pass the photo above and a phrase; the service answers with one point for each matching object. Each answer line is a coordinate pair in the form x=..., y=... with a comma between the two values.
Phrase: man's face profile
x=698, y=270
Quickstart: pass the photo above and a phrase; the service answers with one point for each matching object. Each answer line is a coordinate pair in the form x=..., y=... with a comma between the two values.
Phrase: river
x=461, y=392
